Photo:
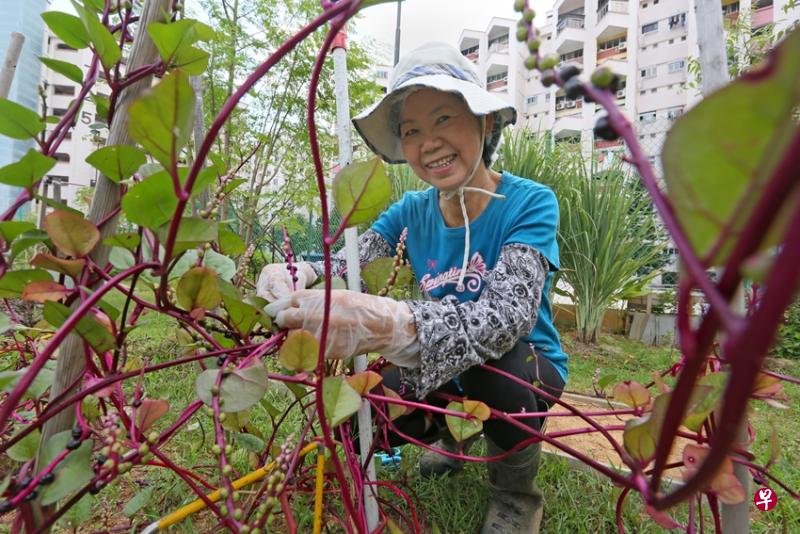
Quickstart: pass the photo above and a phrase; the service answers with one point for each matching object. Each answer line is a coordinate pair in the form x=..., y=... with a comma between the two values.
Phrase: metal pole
x=714, y=72
x=353, y=266
x=397, y=33
x=10, y=64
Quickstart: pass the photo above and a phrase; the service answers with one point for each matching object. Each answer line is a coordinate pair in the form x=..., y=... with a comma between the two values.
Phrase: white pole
x=353, y=267
x=714, y=72
x=10, y=64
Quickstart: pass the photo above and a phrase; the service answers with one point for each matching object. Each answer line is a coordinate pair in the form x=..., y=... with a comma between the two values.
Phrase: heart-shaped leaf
x=9, y=230
x=149, y=412
x=102, y=41
x=377, y=273
x=299, y=351
x=117, y=162
x=250, y=442
x=18, y=122
x=72, y=473
x=12, y=283
x=724, y=483
x=640, y=434
x=243, y=317
x=198, y=288
x=462, y=428
x=341, y=401
x=68, y=28
x=161, y=121
x=240, y=389
x=71, y=268
x=364, y=381
x=395, y=410
x=66, y=69
x=704, y=399
x=137, y=502
x=152, y=202
x=25, y=449
x=43, y=291
x=71, y=234
x=128, y=240
x=27, y=171
x=192, y=232
x=174, y=42
x=631, y=393
x=230, y=243
x=361, y=191
x=97, y=335
x=735, y=150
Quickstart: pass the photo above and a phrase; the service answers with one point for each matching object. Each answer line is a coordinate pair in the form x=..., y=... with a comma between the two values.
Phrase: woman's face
x=440, y=137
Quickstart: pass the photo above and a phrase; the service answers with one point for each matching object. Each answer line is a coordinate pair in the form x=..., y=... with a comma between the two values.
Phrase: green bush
x=788, y=343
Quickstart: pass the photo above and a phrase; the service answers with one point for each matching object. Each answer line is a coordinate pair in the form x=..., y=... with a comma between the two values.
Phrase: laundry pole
x=339, y=53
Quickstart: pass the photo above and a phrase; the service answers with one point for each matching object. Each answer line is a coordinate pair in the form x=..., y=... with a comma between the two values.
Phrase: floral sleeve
x=371, y=246
x=455, y=336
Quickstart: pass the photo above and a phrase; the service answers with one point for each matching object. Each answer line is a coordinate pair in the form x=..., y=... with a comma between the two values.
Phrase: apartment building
x=71, y=172
x=646, y=42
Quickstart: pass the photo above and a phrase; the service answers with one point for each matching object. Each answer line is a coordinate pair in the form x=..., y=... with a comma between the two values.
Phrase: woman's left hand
x=358, y=323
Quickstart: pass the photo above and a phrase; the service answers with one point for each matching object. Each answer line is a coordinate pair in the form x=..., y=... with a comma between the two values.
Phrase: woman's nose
x=431, y=143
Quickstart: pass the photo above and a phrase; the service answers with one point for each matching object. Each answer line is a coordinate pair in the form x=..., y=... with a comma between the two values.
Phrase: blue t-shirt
x=528, y=216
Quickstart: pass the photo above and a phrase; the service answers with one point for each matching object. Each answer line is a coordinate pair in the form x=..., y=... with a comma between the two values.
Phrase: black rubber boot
x=516, y=503
x=434, y=464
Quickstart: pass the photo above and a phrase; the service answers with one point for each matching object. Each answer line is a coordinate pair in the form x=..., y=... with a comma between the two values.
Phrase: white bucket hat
x=439, y=66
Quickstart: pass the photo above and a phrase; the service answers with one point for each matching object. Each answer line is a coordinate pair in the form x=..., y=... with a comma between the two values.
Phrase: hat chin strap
x=460, y=192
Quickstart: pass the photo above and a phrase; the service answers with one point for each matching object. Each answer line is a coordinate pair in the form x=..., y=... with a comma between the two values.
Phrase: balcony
x=568, y=126
x=568, y=108
x=570, y=34
x=499, y=46
x=612, y=19
x=762, y=16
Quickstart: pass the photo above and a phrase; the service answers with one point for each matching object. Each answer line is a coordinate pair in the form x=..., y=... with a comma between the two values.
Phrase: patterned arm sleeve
x=371, y=246
x=455, y=336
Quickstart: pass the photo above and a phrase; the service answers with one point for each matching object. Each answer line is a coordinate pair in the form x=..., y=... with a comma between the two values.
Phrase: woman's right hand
x=275, y=280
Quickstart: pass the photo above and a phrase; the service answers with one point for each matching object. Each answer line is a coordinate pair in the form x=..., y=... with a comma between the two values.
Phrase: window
x=676, y=66
x=613, y=43
x=68, y=90
x=59, y=112
x=532, y=100
x=503, y=76
x=652, y=27
x=677, y=21
x=382, y=74
x=64, y=46
x=647, y=117
x=674, y=113
x=644, y=6
x=470, y=50
x=62, y=157
x=547, y=97
x=671, y=41
x=654, y=90
x=649, y=72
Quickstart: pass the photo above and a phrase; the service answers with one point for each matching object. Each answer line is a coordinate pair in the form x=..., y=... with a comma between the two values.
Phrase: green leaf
x=102, y=41
x=56, y=204
x=336, y=283
x=9, y=230
x=242, y=316
x=161, y=121
x=229, y=242
x=27, y=171
x=463, y=428
x=192, y=232
x=299, y=351
x=101, y=105
x=250, y=442
x=128, y=240
x=361, y=191
x=71, y=234
x=13, y=282
x=376, y=273
x=72, y=473
x=137, y=502
x=121, y=258
x=17, y=121
x=223, y=265
x=66, y=69
x=720, y=155
x=604, y=381
x=25, y=449
x=68, y=28
x=88, y=327
x=340, y=399
x=117, y=162
x=232, y=185
x=640, y=434
x=40, y=384
x=174, y=43
x=151, y=202
x=198, y=288
x=71, y=268
x=79, y=514
x=704, y=399
x=5, y=323
x=631, y=393
x=240, y=389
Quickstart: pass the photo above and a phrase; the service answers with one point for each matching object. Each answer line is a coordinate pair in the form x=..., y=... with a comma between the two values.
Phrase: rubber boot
x=516, y=502
x=434, y=464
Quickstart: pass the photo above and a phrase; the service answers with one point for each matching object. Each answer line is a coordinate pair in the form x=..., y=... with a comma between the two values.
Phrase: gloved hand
x=275, y=280
x=359, y=323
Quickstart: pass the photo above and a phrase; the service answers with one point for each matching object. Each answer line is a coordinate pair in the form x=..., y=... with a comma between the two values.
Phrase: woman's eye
x=443, y=118
x=410, y=131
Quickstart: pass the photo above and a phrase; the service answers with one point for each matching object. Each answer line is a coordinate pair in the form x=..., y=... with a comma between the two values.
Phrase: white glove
x=359, y=323
x=275, y=281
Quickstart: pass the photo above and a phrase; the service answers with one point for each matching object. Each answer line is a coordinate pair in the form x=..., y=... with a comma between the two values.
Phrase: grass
x=577, y=501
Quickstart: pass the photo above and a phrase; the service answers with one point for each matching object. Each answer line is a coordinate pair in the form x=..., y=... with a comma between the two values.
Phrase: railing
x=472, y=56
x=498, y=46
x=612, y=53
x=762, y=16
x=569, y=22
x=613, y=7
x=497, y=85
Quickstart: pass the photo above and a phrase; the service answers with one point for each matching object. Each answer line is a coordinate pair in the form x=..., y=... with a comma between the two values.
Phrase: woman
x=483, y=247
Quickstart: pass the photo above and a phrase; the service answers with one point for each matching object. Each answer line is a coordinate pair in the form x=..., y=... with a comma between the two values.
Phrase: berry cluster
x=398, y=263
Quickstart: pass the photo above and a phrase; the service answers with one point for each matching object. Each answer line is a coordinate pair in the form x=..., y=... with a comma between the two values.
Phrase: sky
x=421, y=20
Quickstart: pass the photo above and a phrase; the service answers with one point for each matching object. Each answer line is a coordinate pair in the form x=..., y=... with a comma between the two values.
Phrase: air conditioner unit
x=559, y=106
x=570, y=104
x=621, y=93
x=622, y=47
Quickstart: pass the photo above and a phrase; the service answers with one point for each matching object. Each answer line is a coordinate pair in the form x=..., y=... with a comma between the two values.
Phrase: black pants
x=495, y=390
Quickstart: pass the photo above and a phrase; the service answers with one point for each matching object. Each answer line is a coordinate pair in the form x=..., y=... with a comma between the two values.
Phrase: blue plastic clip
x=390, y=461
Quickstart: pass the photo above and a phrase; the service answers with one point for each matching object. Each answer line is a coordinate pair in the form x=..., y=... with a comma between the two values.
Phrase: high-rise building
x=648, y=43
x=23, y=17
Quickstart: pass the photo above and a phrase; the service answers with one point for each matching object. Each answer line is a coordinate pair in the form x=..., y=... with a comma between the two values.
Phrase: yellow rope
x=195, y=506
x=318, y=492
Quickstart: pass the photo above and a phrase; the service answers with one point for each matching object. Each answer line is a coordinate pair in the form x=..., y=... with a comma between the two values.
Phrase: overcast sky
x=421, y=21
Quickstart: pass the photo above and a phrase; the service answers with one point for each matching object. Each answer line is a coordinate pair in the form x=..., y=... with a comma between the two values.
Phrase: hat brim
x=374, y=124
